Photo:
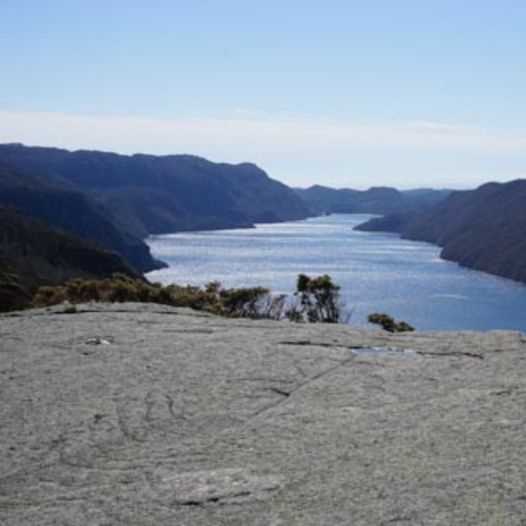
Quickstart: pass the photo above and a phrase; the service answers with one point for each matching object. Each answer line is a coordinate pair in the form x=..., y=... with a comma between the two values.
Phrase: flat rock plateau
x=131, y=414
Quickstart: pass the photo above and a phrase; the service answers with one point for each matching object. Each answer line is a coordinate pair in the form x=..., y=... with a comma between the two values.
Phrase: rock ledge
x=144, y=415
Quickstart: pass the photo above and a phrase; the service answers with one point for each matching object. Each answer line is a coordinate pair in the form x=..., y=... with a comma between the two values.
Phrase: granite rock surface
x=132, y=414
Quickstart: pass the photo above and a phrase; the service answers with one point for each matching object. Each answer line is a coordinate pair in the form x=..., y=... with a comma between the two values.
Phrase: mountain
x=376, y=200
x=32, y=254
x=483, y=229
x=63, y=206
x=157, y=194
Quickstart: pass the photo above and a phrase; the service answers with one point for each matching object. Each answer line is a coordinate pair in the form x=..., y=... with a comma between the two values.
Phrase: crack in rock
x=451, y=353
x=279, y=391
x=310, y=380
x=321, y=344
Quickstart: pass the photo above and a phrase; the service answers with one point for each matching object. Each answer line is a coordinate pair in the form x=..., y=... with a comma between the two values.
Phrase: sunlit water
x=377, y=272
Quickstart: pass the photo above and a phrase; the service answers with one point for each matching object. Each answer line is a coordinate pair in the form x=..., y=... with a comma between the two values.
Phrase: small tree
x=318, y=299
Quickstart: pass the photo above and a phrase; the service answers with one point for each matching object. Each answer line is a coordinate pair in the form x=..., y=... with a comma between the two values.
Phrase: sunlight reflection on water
x=377, y=272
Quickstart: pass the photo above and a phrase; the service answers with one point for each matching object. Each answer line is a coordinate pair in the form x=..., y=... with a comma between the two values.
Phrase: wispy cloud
x=247, y=135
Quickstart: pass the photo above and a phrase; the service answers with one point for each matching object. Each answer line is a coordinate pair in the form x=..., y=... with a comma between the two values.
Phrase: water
x=377, y=272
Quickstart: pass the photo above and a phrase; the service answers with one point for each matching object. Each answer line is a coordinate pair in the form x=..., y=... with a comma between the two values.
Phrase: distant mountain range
x=376, y=200
x=118, y=200
x=483, y=229
x=90, y=203
x=159, y=194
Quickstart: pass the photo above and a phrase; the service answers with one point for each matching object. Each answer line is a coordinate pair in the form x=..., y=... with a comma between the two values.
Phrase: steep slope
x=13, y=295
x=73, y=211
x=483, y=229
x=152, y=194
x=33, y=254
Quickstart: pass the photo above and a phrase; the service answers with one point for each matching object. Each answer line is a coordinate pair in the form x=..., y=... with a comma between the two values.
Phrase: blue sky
x=345, y=93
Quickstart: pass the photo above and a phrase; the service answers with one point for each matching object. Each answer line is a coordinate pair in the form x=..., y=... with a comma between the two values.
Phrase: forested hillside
x=159, y=194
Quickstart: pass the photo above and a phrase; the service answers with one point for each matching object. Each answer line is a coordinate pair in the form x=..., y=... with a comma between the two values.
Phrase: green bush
x=388, y=323
x=253, y=302
x=315, y=300
x=318, y=300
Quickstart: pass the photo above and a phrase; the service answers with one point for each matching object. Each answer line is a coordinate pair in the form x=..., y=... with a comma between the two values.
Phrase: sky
x=345, y=93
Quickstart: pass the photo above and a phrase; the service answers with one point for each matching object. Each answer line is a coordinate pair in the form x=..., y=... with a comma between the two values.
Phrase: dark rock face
x=13, y=295
x=131, y=414
x=33, y=254
x=376, y=200
x=156, y=194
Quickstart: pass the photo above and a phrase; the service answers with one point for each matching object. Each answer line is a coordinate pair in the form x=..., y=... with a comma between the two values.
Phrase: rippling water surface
x=377, y=272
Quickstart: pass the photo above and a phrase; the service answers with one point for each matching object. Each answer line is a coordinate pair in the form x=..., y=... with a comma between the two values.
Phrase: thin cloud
x=269, y=140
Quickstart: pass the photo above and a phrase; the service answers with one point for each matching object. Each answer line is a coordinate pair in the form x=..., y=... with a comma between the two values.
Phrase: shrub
x=388, y=323
x=253, y=302
x=316, y=299
x=243, y=302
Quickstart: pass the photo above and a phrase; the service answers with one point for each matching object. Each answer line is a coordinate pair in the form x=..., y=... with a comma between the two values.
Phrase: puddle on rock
x=222, y=486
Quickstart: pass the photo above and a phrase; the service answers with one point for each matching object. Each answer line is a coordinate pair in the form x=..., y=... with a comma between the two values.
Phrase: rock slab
x=133, y=414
